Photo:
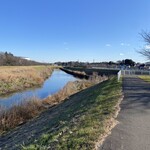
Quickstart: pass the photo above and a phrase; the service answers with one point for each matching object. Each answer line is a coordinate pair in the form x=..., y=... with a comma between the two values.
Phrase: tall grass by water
x=28, y=109
x=16, y=115
x=16, y=78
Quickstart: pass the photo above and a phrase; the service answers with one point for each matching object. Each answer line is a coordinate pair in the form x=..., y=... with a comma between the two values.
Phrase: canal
x=52, y=85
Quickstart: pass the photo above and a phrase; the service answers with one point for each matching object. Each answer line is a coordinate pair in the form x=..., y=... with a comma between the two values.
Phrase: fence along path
x=132, y=72
x=135, y=72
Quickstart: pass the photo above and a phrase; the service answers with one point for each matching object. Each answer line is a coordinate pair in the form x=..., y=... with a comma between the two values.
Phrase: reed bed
x=21, y=77
x=19, y=114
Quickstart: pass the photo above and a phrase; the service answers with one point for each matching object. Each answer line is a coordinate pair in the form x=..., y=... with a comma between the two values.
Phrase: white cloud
x=121, y=54
x=147, y=46
x=124, y=44
x=108, y=45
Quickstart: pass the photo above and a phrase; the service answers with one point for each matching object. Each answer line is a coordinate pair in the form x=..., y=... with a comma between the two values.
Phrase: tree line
x=8, y=59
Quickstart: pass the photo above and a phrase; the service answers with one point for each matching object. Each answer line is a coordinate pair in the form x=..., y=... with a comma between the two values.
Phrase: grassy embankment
x=85, y=119
x=16, y=78
x=145, y=78
x=30, y=108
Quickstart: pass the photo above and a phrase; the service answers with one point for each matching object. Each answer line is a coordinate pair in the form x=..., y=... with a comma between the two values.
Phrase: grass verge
x=145, y=77
x=83, y=119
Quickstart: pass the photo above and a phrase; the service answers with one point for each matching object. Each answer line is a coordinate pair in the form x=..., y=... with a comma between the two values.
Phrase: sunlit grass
x=84, y=121
x=145, y=77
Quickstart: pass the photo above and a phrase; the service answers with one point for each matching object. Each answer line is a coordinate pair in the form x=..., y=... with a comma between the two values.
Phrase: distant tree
x=129, y=62
x=122, y=62
x=111, y=63
x=119, y=62
x=8, y=59
x=146, y=50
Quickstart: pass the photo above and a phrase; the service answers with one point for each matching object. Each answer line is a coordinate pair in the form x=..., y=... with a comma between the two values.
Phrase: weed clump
x=19, y=114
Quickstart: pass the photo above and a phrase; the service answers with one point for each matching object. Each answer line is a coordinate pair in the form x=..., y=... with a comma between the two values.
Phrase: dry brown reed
x=18, y=78
x=72, y=88
x=17, y=115
x=23, y=112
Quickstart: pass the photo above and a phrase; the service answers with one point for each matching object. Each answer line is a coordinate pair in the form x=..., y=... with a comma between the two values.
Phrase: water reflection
x=52, y=85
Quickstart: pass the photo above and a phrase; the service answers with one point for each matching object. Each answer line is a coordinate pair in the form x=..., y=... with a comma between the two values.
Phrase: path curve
x=133, y=130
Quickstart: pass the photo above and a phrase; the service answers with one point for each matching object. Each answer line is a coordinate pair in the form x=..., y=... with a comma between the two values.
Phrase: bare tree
x=145, y=51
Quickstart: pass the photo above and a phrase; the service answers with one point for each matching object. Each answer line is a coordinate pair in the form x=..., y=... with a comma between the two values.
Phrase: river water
x=52, y=85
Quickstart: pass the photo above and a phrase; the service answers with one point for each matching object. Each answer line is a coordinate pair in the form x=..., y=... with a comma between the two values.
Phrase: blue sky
x=65, y=30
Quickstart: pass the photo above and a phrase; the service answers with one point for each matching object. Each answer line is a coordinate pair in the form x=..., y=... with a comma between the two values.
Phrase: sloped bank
x=29, y=108
x=81, y=121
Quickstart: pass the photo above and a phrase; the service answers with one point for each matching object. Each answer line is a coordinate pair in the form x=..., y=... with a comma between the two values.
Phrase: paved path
x=133, y=131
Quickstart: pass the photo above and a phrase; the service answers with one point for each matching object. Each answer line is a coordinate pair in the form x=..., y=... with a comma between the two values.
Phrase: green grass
x=145, y=77
x=82, y=123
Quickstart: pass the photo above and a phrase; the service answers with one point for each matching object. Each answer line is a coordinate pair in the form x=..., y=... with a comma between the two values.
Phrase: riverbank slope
x=76, y=123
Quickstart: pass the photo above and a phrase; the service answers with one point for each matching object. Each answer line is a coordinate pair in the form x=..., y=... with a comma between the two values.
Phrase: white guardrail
x=119, y=75
x=135, y=72
x=132, y=72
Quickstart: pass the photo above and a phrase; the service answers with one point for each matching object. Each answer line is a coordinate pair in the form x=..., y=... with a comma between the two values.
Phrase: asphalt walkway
x=133, y=130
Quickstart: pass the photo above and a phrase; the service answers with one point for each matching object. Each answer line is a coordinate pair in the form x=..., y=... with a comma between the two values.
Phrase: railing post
x=119, y=75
